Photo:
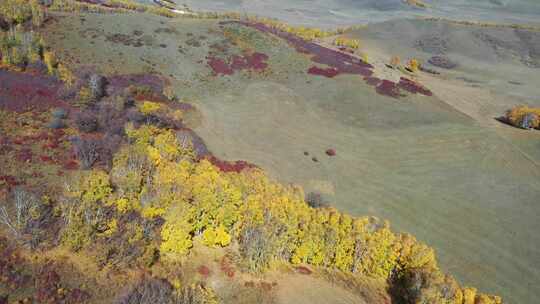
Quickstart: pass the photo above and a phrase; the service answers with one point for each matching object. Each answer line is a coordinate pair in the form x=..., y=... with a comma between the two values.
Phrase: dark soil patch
x=432, y=45
x=166, y=30
x=126, y=40
x=442, y=62
x=193, y=42
x=155, y=84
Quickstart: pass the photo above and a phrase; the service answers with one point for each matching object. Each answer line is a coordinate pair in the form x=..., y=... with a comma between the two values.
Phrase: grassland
x=427, y=167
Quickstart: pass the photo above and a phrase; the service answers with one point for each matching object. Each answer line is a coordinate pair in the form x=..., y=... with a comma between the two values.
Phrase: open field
x=433, y=168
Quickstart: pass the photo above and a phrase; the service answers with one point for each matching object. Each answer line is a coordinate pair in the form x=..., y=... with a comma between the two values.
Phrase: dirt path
x=302, y=289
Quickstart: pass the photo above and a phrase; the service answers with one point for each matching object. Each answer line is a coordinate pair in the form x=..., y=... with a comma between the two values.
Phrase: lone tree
x=97, y=83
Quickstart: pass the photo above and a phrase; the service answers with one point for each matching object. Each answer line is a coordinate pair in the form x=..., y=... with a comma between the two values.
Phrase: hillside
x=152, y=157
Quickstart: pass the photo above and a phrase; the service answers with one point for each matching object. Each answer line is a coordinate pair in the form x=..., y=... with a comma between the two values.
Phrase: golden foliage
x=347, y=42
x=50, y=61
x=395, y=61
x=413, y=65
x=149, y=107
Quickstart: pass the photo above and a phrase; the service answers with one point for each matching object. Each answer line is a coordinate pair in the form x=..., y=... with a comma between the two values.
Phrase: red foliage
x=372, y=81
x=11, y=275
x=413, y=87
x=24, y=155
x=331, y=152
x=219, y=66
x=47, y=283
x=229, y=166
x=10, y=181
x=337, y=62
x=227, y=267
x=21, y=92
x=204, y=271
x=255, y=61
x=303, y=270
x=45, y=158
x=71, y=165
x=328, y=72
x=388, y=88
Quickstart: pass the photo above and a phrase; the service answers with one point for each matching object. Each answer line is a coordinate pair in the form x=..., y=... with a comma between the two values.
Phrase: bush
x=256, y=247
x=87, y=151
x=56, y=123
x=25, y=214
x=50, y=61
x=315, y=200
x=524, y=117
x=87, y=121
x=59, y=113
x=96, y=84
x=413, y=65
x=110, y=119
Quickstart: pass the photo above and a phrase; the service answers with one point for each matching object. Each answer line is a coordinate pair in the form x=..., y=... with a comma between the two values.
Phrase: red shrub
x=328, y=72
x=204, y=271
x=388, y=88
x=226, y=267
x=303, y=270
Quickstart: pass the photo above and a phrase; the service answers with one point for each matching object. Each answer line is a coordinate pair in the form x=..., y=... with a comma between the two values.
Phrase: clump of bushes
x=87, y=121
x=524, y=117
x=96, y=84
